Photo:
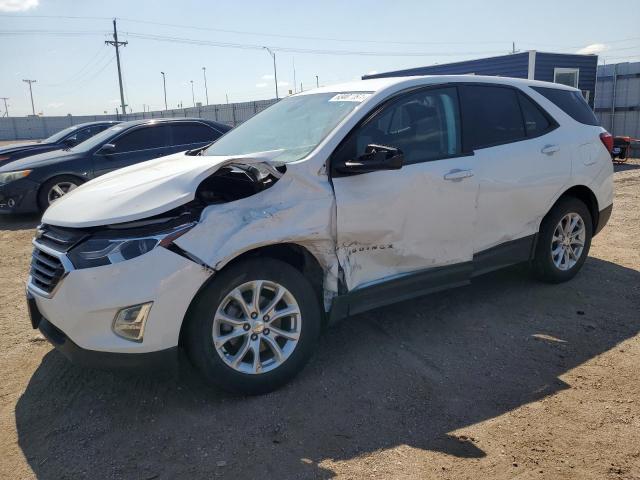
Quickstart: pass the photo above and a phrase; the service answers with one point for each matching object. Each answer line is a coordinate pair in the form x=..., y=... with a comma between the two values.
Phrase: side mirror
x=376, y=157
x=107, y=149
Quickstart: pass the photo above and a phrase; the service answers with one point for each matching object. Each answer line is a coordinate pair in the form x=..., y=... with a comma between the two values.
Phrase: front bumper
x=20, y=196
x=86, y=301
x=157, y=361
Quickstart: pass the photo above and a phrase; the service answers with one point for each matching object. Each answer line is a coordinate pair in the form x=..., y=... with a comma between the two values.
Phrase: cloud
x=267, y=77
x=17, y=5
x=55, y=104
x=283, y=83
x=261, y=85
x=593, y=49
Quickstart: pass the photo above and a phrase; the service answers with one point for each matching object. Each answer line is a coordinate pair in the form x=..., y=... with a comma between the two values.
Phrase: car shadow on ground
x=623, y=167
x=407, y=374
x=19, y=222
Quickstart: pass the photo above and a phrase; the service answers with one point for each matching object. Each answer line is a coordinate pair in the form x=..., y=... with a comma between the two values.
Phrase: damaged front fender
x=296, y=209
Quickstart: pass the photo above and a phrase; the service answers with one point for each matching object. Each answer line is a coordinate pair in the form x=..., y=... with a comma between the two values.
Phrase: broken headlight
x=98, y=251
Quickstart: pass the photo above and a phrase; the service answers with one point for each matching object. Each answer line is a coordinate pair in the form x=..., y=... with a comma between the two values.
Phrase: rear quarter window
x=570, y=102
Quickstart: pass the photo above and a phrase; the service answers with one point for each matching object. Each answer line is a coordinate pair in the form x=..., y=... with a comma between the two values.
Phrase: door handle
x=456, y=175
x=550, y=149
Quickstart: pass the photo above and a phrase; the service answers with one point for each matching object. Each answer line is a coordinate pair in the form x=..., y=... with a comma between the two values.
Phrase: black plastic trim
x=400, y=288
x=603, y=218
x=424, y=282
x=161, y=360
x=503, y=255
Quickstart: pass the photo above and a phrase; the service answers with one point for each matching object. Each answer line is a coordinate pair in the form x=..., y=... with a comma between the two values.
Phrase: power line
x=95, y=60
x=247, y=46
x=304, y=37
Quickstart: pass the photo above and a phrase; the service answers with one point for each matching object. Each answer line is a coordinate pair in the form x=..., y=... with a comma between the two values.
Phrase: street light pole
x=206, y=92
x=193, y=95
x=275, y=72
x=6, y=109
x=164, y=84
x=33, y=109
x=317, y=82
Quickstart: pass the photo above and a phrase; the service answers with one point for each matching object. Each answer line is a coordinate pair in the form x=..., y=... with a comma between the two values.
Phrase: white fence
x=30, y=128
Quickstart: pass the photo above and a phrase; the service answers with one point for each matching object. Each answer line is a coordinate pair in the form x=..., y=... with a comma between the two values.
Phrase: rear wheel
x=56, y=188
x=254, y=327
x=563, y=241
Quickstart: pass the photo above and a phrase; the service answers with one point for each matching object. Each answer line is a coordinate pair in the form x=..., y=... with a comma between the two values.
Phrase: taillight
x=607, y=141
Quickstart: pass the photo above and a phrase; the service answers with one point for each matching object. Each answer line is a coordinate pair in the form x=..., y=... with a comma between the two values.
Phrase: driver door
x=415, y=220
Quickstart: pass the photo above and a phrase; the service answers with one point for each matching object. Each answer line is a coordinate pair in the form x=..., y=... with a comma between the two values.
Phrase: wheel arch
x=296, y=255
x=586, y=196
x=44, y=181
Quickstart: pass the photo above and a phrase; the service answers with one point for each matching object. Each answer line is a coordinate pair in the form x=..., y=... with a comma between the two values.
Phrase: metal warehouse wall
x=515, y=65
x=33, y=128
x=619, y=113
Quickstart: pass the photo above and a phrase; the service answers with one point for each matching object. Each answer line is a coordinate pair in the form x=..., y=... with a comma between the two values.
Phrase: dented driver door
x=418, y=218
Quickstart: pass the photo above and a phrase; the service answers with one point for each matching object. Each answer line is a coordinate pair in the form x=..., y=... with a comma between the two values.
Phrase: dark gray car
x=31, y=184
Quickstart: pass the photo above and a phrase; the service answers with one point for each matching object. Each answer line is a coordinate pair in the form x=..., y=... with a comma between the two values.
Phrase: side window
x=85, y=133
x=535, y=121
x=424, y=125
x=187, y=133
x=143, y=139
x=491, y=116
x=571, y=102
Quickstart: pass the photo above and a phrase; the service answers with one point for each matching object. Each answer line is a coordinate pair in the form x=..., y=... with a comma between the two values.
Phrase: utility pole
x=117, y=44
x=164, y=84
x=317, y=82
x=295, y=87
x=193, y=96
x=33, y=109
x=206, y=92
x=275, y=72
x=6, y=109
x=227, y=95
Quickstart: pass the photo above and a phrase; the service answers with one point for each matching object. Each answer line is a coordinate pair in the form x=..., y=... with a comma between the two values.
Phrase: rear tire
x=226, y=308
x=56, y=187
x=563, y=241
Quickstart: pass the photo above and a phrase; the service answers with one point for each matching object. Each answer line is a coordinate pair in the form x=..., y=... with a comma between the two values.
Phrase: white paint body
x=427, y=221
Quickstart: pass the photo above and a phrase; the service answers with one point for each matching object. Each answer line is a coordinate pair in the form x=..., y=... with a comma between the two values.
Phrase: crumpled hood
x=140, y=191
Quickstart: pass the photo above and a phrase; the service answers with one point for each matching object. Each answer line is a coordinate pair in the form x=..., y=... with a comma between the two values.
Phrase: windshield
x=294, y=126
x=97, y=140
x=56, y=137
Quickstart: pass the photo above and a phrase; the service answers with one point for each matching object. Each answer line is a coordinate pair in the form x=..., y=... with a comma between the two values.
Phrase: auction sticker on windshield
x=350, y=97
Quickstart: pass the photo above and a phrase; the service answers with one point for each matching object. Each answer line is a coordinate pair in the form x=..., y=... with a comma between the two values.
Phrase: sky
x=60, y=44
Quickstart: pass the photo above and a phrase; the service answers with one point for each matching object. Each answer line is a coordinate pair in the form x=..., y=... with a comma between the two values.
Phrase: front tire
x=254, y=327
x=563, y=241
x=55, y=188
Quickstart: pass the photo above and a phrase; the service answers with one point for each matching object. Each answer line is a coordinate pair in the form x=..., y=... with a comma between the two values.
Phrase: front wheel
x=563, y=241
x=254, y=327
x=56, y=188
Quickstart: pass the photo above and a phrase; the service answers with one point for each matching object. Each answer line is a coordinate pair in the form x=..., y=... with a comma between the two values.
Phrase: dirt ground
x=506, y=378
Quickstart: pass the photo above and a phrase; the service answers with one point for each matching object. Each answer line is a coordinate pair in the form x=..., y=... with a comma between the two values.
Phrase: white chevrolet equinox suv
x=329, y=203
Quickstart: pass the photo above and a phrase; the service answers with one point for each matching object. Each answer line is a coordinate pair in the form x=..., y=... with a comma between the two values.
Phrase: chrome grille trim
x=48, y=269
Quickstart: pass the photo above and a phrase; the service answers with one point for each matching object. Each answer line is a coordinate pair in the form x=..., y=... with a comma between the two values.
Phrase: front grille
x=58, y=238
x=46, y=270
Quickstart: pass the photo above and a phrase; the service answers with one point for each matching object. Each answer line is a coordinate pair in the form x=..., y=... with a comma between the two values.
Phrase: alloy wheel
x=567, y=242
x=59, y=190
x=257, y=327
